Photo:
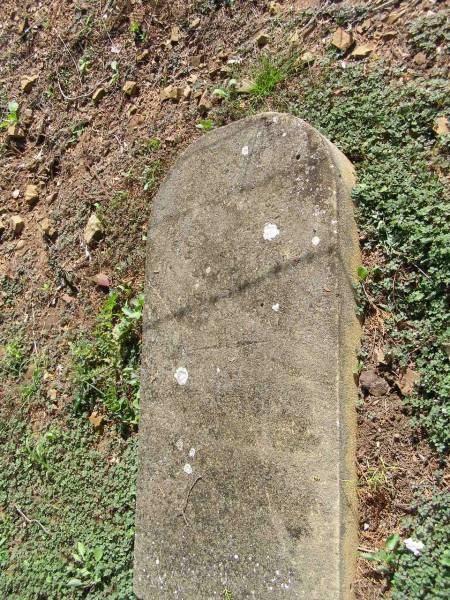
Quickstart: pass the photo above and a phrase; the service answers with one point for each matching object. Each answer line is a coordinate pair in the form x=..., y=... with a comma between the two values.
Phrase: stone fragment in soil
x=245, y=86
x=93, y=231
x=275, y=8
x=194, y=23
x=307, y=57
x=175, y=35
x=142, y=56
x=102, y=280
x=171, y=92
x=15, y=133
x=204, y=104
x=342, y=40
x=407, y=381
x=130, y=88
x=420, y=59
x=48, y=228
x=362, y=51
x=31, y=195
x=17, y=224
x=27, y=83
x=441, y=126
x=372, y=383
x=98, y=95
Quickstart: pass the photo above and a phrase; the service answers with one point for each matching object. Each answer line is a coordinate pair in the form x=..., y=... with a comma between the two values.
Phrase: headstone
x=246, y=484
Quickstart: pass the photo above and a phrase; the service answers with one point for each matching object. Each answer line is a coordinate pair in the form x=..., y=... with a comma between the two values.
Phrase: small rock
x=307, y=57
x=93, y=231
x=52, y=394
x=15, y=193
x=47, y=228
x=17, y=224
x=441, y=127
x=142, y=56
x=196, y=60
x=175, y=35
x=130, y=88
x=96, y=420
x=27, y=116
x=407, y=381
x=98, y=95
x=204, y=104
x=194, y=23
x=15, y=133
x=171, y=92
x=389, y=35
x=22, y=26
x=245, y=86
x=31, y=195
x=27, y=83
x=342, y=40
x=362, y=51
x=68, y=299
x=275, y=8
x=373, y=384
x=102, y=280
x=20, y=244
x=187, y=92
x=394, y=17
x=420, y=58
x=294, y=39
x=262, y=39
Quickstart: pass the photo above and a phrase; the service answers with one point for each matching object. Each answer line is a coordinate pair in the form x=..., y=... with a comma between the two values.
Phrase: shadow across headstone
x=246, y=478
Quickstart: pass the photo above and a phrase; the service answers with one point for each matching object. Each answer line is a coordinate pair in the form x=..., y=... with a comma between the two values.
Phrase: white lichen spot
x=276, y=307
x=179, y=444
x=187, y=469
x=236, y=557
x=181, y=376
x=192, y=452
x=157, y=561
x=270, y=231
x=217, y=370
x=315, y=241
x=275, y=120
x=245, y=151
x=208, y=270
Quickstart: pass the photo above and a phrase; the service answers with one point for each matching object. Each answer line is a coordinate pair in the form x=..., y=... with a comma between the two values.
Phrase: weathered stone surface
x=246, y=447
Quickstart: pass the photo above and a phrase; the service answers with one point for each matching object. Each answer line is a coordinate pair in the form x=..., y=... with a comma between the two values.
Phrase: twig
x=28, y=520
x=70, y=54
x=72, y=98
x=182, y=513
x=361, y=549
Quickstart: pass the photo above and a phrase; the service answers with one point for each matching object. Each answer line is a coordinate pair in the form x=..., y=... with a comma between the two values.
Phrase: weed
x=267, y=75
x=116, y=74
x=427, y=32
x=78, y=493
x=140, y=36
x=150, y=175
x=106, y=364
x=33, y=388
x=87, y=569
x=153, y=144
x=227, y=595
x=15, y=359
x=84, y=65
x=38, y=452
x=118, y=199
x=426, y=575
x=205, y=124
x=12, y=115
x=378, y=478
x=76, y=131
x=386, y=558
